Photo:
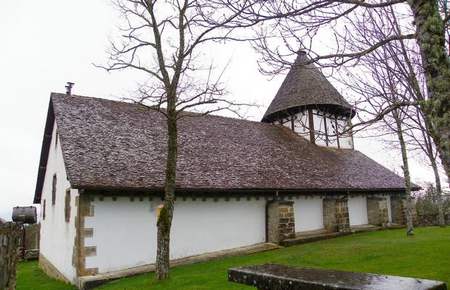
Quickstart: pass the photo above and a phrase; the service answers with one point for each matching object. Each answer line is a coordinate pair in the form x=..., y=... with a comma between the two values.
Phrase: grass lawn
x=426, y=255
x=31, y=277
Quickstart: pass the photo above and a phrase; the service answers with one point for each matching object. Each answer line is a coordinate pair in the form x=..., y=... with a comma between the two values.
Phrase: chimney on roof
x=69, y=86
x=302, y=57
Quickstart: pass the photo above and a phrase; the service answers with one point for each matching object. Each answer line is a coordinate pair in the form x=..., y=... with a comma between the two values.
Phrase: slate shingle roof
x=116, y=145
x=305, y=85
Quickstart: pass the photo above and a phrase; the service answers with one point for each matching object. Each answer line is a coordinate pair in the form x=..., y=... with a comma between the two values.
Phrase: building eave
x=103, y=190
x=45, y=148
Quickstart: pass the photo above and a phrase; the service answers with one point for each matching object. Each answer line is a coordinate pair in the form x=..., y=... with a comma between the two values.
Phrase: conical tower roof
x=306, y=86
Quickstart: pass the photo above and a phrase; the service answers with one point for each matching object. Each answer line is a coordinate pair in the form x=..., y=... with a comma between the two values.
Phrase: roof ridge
x=63, y=95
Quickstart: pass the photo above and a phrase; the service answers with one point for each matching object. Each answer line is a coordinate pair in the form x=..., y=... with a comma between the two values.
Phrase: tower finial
x=69, y=86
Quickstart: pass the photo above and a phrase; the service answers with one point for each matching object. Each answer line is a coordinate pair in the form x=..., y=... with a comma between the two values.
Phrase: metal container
x=24, y=214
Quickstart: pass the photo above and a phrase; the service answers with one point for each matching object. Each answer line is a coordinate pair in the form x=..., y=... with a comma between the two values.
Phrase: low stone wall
x=9, y=240
x=29, y=242
x=430, y=219
x=32, y=236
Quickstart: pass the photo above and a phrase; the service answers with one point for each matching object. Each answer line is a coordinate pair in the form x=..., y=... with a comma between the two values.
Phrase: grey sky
x=46, y=43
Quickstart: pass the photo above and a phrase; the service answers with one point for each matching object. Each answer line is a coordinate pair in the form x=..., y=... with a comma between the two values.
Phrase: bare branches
x=288, y=26
x=336, y=36
x=346, y=57
x=161, y=39
x=392, y=88
x=379, y=114
x=283, y=27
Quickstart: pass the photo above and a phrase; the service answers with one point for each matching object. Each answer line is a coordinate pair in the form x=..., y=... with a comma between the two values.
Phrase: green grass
x=426, y=255
x=31, y=277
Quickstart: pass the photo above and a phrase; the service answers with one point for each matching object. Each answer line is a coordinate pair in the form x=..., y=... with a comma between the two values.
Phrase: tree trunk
x=405, y=167
x=441, y=218
x=166, y=213
x=431, y=39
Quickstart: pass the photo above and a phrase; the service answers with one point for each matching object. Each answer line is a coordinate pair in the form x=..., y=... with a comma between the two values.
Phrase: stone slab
x=281, y=277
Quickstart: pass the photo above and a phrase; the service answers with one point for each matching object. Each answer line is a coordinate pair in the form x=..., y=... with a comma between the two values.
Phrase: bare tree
x=396, y=114
x=404, y=64
x=286, y=26
x=387, y=81
x=383, y=93
x=420, y=139
x=163, y=40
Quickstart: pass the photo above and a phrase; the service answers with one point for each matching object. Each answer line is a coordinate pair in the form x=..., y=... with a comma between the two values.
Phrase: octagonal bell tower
x=308, y=104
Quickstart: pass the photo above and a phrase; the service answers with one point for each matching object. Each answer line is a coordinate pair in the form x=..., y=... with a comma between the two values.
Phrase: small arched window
x=67, y=205
x=54, y=190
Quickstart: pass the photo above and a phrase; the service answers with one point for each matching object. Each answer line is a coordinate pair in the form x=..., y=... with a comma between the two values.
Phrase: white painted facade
x=125, y=230
x=57, y=236
x=357, y=210
x=308, y=213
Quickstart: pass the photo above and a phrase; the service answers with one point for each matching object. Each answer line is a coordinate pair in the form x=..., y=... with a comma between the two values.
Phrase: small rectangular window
x=67, y=206
x=56, y=139
x=54, y=190
x=43, y=210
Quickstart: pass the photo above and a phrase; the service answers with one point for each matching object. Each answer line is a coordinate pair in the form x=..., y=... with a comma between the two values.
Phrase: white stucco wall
x=308, y=212
x=57, y=236
x=125, y=230
x=357, y=210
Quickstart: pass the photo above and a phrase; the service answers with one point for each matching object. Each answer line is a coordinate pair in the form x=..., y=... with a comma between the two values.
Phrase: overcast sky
x=44, y=44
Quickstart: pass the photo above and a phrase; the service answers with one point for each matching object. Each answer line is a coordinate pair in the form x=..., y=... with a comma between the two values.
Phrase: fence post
x=9, y=243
